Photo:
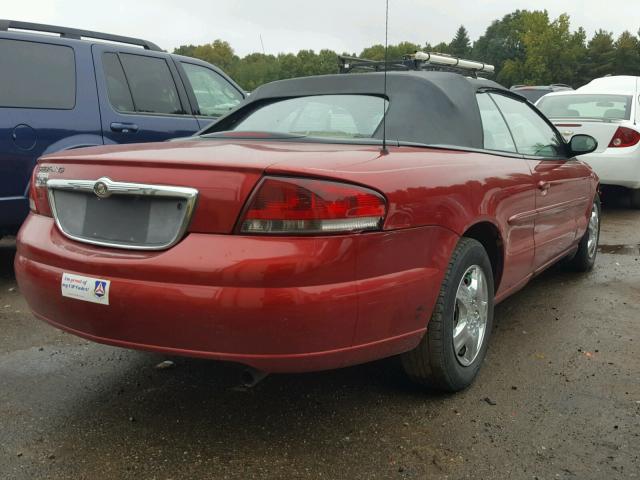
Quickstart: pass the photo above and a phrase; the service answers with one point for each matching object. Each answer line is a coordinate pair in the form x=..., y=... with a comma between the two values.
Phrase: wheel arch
x=488, y=234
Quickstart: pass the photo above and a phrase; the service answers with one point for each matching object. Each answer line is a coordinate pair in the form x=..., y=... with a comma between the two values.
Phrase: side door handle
x=124, y=127
x=544, y=186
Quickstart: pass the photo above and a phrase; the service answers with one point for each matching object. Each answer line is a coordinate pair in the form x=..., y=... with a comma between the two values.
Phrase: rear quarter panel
x=446, y=188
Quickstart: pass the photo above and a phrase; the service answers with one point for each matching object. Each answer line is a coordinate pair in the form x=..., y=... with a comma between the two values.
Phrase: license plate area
x=122, y=220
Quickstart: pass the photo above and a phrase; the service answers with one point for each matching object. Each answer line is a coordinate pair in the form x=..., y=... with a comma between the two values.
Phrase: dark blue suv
x=81, y=88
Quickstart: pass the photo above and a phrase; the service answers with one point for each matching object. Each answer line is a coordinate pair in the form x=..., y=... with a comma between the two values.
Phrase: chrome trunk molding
x=123, y=188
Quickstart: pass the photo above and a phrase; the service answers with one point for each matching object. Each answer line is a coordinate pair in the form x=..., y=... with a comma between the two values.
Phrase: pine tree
x=460, y=46
x=600, y=55
x=627, y=55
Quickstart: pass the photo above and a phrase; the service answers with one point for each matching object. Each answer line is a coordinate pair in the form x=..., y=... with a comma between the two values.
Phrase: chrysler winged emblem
x=101, y=189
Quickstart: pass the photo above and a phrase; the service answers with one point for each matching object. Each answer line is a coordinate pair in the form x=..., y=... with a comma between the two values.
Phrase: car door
x=209, y=90
x=507, y=168
x=562, y=188
x=141, y=96
x=48, y=103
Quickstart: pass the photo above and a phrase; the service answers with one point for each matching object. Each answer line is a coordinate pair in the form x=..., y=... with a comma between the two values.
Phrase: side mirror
x=581, y=144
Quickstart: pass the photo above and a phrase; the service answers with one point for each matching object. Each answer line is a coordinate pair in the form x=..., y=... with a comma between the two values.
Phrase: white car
x=607, y=109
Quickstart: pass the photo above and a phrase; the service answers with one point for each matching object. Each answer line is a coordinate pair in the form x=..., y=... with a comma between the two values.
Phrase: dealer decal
x=89, y=289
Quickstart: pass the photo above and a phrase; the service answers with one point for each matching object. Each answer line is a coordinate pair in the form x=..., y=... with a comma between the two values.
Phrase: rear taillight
x=303, y=206
x=38, y=200
x=624, y=137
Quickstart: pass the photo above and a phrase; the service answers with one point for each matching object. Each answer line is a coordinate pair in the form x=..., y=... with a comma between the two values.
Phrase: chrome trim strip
x=125, y=188
x=521, y=218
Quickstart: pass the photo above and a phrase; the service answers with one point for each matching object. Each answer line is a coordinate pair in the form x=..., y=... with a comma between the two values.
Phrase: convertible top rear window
x=326, y=116
x=428, y=108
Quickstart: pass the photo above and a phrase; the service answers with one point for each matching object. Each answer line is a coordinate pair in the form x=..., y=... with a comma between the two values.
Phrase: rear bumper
x=276, y=304
x=616, y=166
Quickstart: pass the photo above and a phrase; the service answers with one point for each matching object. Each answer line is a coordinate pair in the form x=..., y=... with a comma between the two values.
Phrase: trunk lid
x=223, y=172
x=601, y=130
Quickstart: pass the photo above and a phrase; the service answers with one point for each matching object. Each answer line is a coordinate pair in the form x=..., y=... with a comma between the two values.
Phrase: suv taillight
x=299, y=206
x=624, y=137
x=38, y=200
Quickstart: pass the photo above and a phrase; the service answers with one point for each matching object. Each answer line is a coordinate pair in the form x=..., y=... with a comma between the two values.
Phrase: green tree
x=530, y=66
x=218, y=53
x=552, y=54
x=327, y=62
x=186, y=50
x=524, y=46
x=441, y=47
x=460, y=46
x=627, y=55
x=395, y=52
x=501, y=41
x=374, y=52
x=600, y=57
x=403, y=48
x=256, y=69
x=288, y=65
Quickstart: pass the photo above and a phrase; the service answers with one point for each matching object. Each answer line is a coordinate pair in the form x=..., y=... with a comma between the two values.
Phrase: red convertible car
x=288, y=238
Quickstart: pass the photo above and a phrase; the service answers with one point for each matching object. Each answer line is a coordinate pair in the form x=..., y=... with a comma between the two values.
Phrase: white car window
x=611, y=107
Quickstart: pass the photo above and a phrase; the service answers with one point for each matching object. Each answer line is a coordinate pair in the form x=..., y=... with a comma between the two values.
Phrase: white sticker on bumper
x=88, y=289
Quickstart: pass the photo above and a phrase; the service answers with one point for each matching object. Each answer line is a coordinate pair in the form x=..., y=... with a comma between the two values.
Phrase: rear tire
x=634, y=195
x=585, y=257
x=452, y=350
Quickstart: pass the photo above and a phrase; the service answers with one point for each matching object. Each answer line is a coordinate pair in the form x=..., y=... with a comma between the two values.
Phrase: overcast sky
x=290, y=25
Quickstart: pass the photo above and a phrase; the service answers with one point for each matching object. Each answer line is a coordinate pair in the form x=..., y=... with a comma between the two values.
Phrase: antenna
x=262, y=43
x=384, y=150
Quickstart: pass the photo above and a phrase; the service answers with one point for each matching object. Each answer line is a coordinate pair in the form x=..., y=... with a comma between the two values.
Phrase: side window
x=37, y=75
x=496, y=134
x=215, y=96
x=152, y=87
x=119, y=94
x=533, y=136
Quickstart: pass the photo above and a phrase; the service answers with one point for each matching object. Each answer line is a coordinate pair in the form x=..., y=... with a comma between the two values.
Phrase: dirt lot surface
x=558, y=397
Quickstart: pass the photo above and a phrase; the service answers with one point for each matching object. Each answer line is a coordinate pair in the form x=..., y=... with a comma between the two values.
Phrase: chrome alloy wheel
x=593, y=230
x=470, y=315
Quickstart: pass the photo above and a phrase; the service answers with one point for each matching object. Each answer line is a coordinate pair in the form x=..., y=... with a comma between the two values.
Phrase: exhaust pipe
x=250, y=377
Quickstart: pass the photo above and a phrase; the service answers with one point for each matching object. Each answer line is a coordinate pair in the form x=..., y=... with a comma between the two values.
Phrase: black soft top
x=437, y=108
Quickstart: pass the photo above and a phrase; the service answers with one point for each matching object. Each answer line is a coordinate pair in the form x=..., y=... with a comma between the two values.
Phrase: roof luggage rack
x=416, y=61
x=76, y=34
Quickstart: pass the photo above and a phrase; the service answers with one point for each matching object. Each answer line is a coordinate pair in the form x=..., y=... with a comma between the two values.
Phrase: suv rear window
x=37, y=75
x=327, y=116
x=215, y=96
x=150, y=81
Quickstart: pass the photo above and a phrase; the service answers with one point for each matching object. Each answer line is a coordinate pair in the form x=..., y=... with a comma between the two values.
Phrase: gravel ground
x=558, y=397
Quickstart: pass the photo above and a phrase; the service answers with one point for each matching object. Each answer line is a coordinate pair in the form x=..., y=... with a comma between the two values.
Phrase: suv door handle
x=124, y=127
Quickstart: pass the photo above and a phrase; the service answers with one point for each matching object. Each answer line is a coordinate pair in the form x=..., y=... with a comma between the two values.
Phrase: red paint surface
x=299, y=303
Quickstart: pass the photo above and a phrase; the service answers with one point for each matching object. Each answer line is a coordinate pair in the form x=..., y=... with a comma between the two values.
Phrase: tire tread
x=425, y=364
x=581, y=261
